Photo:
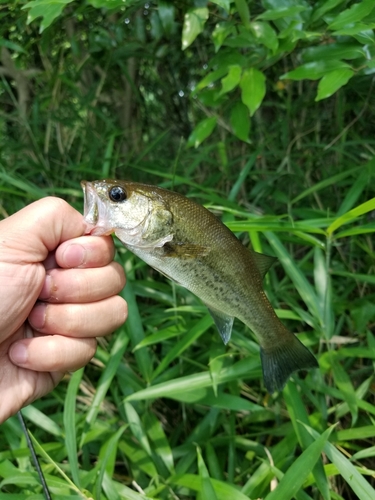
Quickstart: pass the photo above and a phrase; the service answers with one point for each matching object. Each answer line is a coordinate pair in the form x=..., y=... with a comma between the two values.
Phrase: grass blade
x=297, y=473
x=352, y=476
x=187, y=339
x=117, y=352
x=207, y=489
x=295, y=274
x=70, y=424
x=364, y=208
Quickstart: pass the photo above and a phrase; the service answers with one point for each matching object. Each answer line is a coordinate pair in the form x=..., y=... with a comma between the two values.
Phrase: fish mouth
x=94, y=211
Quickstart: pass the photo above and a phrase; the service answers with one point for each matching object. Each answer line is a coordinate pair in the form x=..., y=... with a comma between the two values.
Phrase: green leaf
x=117, y=351
x=232, y=79
x=331, y=82
x=265, y=35
x=331, y=181
x=203, y=130
x=297, y=473
x=135, y=331
x=364, y=208
x=335, y=51
x=244, y=12
x=362, y=32
x=207, y=489
x=166, y=13
x=107, y=460
x=194, y=22
x=156, y=434
x=224, y=4
x=324, y=7
x=41, y=420
x=49, y=10
x=11, y=45
x=198, y=381
x=362, y=229
x=240, y=121
x=345, y=385
x=355, y=191
x=137, y=427
x=212, y=77
x=70, y=424
x=296, y=275
x=253, y=86
x=314, y=70
x=352, y=15
x=187, y=339
x=279, y=13
x=107, y=4
x=220, y=33
x=350, y=474
x=298, y=415
x=223, y=490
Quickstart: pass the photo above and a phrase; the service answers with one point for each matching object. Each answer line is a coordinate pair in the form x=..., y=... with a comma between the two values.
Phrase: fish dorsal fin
x=223, y=323
x=263, y=262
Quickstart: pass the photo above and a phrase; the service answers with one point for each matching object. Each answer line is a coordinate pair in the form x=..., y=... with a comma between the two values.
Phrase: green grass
x=166, y=411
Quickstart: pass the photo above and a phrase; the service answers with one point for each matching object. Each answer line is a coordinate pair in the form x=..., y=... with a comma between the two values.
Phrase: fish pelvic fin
x=223, y=323
x=280, y=361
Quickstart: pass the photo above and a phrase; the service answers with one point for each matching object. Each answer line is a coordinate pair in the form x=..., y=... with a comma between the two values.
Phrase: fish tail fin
x=280, y=361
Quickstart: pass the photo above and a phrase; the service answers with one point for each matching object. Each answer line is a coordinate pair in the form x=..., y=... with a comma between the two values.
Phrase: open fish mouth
x=95, y=212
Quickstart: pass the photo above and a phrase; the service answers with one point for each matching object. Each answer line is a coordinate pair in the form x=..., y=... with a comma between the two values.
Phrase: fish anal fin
x=280, y=361
x=184, y=250
x=263, y=262
x=223, y=323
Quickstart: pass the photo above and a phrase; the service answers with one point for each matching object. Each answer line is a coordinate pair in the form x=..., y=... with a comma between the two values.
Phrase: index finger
x=86, y=251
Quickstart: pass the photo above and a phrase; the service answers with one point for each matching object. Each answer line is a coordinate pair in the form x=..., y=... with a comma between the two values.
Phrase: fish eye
x=117, y=194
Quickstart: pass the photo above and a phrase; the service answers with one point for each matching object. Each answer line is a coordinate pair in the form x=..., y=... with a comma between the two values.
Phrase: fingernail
x=19, y=353
x=46, y=290
x=37, y=317
x=74, y=255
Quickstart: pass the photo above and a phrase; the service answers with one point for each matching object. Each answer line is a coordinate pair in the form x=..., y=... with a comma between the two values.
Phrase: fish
x=188, y=244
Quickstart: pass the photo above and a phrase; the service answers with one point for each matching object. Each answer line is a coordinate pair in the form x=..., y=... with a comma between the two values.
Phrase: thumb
x=28, y=235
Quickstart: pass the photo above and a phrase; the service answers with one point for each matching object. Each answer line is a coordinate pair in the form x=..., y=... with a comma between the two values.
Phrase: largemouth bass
x=188, y=244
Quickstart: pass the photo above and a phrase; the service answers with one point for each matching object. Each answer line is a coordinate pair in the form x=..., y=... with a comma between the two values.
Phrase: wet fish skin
x=188, y=244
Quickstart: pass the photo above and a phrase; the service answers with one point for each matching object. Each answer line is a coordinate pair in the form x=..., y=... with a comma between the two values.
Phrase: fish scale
x=188, y=244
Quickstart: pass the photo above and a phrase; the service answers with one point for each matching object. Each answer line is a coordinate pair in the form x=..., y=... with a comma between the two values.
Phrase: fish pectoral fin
x=223, y=323
x=184, y=250
x=264, y=262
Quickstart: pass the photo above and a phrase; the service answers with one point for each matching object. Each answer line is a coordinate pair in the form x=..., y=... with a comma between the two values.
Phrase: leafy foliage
x=275, y=99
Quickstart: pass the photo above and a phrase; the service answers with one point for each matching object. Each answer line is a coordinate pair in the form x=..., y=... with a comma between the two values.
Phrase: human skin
x=58, y=292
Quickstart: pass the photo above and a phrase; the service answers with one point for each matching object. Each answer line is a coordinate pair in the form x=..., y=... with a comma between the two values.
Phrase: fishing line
x=34, y=457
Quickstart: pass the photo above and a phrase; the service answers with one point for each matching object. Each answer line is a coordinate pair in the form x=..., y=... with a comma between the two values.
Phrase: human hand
x=57, y=293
